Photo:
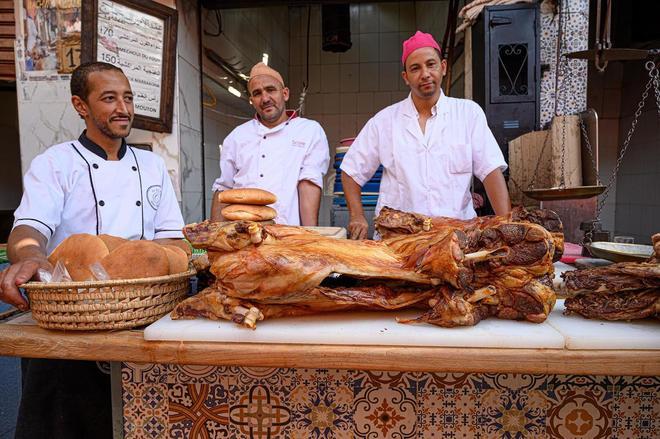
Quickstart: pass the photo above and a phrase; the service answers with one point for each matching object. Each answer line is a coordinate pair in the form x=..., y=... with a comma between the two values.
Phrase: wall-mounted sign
x=139, y=36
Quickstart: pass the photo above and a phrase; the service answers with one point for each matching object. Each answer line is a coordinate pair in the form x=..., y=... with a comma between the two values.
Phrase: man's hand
x=477, y=200
x=358, y=227
x=357, y=224
x=26, y=249
x=18, y=274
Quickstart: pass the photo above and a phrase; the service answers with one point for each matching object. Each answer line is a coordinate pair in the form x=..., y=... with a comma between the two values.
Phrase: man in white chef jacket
x=430, y=146
x=95, y=184
x=276, y=151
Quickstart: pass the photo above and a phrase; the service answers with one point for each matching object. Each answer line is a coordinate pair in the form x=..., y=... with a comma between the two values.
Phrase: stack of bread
x=248, y=204
x=119, y=257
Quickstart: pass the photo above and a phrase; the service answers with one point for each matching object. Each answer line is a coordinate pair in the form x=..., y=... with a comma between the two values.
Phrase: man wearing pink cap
x=276, y=151
x=430, y=146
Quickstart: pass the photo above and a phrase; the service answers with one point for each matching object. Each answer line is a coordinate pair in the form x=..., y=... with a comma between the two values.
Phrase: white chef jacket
x=72, y=188
x=275, y=159
x=431, y=172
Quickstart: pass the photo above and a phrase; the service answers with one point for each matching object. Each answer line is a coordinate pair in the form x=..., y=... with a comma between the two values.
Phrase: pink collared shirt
x=431, y=172
x=275, y=159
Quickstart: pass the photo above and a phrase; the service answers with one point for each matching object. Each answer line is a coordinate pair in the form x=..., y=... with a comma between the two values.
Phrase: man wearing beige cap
x=430, y=146
x=276, y=151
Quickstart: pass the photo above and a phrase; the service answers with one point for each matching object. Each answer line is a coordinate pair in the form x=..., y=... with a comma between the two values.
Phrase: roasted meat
x=624, y=276
x=623, y=291
x=267, y=271
x=213, y=304
x=448, y=309
x=391, y=222
x=656, y=248
x=627, y=305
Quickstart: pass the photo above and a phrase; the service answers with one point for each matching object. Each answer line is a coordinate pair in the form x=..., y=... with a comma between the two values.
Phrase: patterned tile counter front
x=179, y=401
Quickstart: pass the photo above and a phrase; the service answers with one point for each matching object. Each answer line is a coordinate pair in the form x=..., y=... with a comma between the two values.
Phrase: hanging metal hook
x=598, y=58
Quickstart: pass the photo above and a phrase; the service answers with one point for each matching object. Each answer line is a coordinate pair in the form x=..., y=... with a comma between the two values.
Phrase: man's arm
x=26, y=250
x=309, y=201
x=357, y=224
x=498, y=194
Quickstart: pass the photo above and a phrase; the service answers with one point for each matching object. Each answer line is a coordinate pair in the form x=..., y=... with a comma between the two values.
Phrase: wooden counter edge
x=130, y=346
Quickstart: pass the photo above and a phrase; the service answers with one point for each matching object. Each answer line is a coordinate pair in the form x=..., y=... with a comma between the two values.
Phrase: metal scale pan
x=572, y=193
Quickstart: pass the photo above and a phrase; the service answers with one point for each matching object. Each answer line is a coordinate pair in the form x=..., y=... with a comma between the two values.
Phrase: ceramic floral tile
x=236, y=402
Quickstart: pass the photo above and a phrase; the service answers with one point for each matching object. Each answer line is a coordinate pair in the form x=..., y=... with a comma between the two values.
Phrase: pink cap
x=263, y=69
x=417, y=41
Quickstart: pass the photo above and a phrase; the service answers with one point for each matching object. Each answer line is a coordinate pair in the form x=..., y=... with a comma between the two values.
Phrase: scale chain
x=653, y=81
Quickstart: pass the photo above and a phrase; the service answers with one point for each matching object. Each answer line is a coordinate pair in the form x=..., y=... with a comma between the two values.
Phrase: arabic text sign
x=133, y=40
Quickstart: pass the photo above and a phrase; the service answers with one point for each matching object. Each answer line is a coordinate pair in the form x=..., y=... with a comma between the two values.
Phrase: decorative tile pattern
x=241, y=402
x=571, y=93
x=145, y=410
x=197, y=411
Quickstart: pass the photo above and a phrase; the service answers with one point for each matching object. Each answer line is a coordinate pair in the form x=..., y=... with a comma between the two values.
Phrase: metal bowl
x=619, y=252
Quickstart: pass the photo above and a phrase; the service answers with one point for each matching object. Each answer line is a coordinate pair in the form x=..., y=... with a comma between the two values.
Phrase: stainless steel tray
x=619, y=252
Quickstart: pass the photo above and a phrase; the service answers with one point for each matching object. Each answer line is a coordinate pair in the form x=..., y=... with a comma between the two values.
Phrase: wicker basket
x=115, y=304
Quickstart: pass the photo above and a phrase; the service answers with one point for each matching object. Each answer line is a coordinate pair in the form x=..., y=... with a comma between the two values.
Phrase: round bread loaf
x=177, y=258
x=112, y=242
x=77, y=253
x=248, y=212
x=258, y=197
x=137, y=259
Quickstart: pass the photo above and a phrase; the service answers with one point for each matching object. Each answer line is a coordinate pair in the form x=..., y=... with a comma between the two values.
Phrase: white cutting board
x=363, y=328
x=581, y=333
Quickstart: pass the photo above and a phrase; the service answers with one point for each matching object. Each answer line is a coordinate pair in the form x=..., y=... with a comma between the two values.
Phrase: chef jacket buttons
x=264, y=137
x=138, y=203
x=95, y=166
x=263, y=156
x=134, y=168
x=261, y=175
x=101, y=203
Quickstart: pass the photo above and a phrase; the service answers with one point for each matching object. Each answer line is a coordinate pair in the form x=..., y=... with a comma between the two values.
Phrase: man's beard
x=427, y=93
x=274, y=116
x=104, y=127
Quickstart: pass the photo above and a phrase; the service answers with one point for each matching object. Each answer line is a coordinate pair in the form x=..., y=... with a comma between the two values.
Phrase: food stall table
x=191, y=389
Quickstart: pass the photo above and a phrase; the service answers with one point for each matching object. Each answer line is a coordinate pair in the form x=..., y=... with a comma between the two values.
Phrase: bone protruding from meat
x=255, y=233
x=484, y=255
x=481, y=294
x=450, y=310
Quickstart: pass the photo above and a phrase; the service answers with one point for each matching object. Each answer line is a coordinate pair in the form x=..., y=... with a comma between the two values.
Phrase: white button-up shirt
x=71, y=189
x=431, y=172
x=275, y=159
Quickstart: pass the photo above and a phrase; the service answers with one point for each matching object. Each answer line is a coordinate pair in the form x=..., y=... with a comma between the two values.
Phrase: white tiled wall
x=346, y=89
x=246, y=34
x=604, y=95
x=638, y=184
x=633, y=205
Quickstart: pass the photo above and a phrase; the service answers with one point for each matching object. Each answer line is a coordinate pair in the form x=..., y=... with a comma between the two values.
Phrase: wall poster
x=51, y=37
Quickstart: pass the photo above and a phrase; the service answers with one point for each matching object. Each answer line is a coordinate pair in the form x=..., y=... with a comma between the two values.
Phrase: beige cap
x=263, y=69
